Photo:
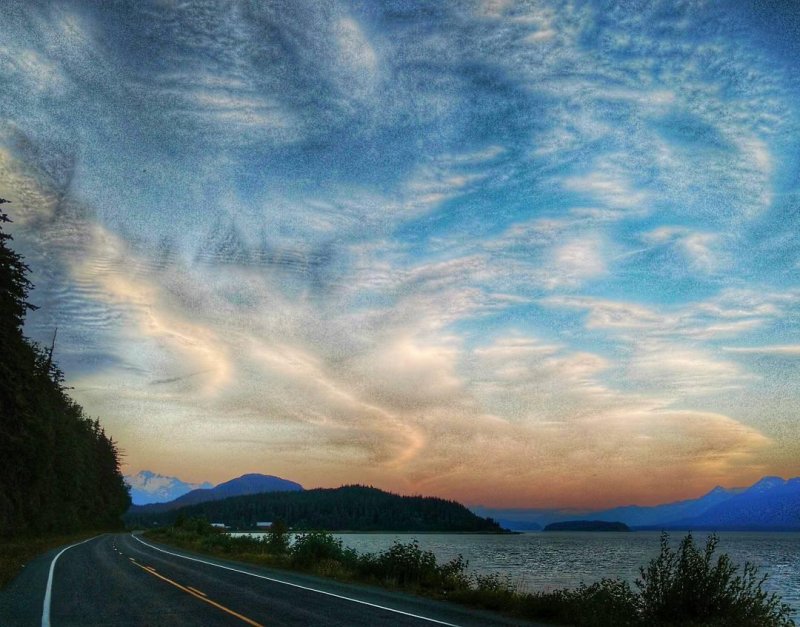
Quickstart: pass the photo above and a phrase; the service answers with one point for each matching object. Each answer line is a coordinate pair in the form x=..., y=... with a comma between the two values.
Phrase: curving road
x=120, y=579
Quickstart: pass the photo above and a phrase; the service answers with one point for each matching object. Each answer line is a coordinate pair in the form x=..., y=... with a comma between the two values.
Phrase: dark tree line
x=59, y=471
x=356, y=508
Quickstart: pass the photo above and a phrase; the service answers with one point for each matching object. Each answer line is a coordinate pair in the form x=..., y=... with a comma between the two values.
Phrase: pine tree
x=58, y=469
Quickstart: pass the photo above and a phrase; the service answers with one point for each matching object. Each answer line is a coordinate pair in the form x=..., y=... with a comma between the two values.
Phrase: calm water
x=543, y=561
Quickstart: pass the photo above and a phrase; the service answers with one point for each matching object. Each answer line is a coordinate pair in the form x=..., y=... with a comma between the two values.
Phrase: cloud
x=355, y=48
x=545, y=425
x=671, y=368
x=789, y=350
x=610, y=189
x=578, y=260
x=732, y=312
x=606, y=314
x=699, y=249
x=499, y=252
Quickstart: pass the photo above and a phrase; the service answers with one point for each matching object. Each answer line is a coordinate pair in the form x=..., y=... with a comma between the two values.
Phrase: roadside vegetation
x=15, y=553
x=689, y=585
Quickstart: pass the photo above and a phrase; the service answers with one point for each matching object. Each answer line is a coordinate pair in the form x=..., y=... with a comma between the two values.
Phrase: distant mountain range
x=587, y=525
x=770, y=504
x=246, y=484
x=150, y=487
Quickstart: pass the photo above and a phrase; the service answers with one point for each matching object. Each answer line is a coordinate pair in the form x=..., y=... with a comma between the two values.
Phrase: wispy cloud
x=500, y=252
x=789, y=350
x=697, y=248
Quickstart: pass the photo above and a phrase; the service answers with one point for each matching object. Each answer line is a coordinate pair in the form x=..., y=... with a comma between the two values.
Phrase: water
x=546, y=561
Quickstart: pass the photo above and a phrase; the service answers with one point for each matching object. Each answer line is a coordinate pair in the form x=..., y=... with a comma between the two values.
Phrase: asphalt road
x=117, y=579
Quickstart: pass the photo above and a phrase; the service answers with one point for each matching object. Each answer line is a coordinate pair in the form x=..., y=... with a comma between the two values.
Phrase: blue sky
x=518, y=254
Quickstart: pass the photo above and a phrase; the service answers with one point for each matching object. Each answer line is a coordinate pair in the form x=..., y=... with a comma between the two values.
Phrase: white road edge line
x=48, y=593
x=295, y=585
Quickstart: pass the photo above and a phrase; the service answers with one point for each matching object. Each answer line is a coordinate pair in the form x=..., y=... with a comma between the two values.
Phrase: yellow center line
x=200, y=592
x=198, y=595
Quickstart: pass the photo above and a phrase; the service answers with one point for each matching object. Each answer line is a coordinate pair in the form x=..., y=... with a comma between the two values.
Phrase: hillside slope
x=347, y=508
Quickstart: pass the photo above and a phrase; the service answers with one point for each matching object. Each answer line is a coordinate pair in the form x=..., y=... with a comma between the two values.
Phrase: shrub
x=679, y=587
x=277, y=541
x=408, y=566
x=608, y=602
x=686, y=586
x=309, y=549
x=405, y=564
x=193, y=526
x=491, y=591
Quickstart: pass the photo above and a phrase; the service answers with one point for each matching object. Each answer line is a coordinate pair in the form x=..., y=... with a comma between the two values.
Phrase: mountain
x=587, y=525
x=770, y=504
x=632, y=515
x=347, y=508
x=641, y=516
x=246, y=484
x=518, y=525
x=150, y=487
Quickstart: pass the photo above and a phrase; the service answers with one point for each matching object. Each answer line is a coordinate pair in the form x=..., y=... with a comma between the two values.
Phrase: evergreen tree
x=58, y=469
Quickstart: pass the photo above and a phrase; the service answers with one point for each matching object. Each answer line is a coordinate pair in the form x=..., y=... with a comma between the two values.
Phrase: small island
x=587, y=525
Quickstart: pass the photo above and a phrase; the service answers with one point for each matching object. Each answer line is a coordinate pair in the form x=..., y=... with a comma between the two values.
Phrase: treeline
x=352, y=508
x=59, y=471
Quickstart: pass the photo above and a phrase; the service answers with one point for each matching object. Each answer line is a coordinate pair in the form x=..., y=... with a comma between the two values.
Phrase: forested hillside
x=58, y=469
x=346, y=508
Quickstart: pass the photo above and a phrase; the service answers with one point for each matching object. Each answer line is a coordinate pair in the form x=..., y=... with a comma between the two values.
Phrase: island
x=587, y=525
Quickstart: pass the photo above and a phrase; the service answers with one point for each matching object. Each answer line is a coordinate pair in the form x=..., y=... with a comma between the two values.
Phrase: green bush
x=401, y=564
x=193, y=526
x=688, y=587
x=309, y=549
x=408, y=566
x=277, y=542
x=491, y=591
x=608, y=602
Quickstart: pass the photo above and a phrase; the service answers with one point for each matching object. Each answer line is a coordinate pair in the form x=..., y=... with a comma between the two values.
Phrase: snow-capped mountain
x=150, y=487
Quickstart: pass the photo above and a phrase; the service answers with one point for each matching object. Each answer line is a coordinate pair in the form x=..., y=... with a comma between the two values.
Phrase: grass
x=684, y=586
x=16, y=552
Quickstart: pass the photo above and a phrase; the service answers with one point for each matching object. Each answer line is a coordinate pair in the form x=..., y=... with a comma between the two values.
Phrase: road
x=120, y=579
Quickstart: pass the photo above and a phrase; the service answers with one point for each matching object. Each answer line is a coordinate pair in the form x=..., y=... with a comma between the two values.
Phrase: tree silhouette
x=58, y=469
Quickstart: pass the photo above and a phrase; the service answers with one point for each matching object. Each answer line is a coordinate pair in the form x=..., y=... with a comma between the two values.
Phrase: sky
x=518, y=254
